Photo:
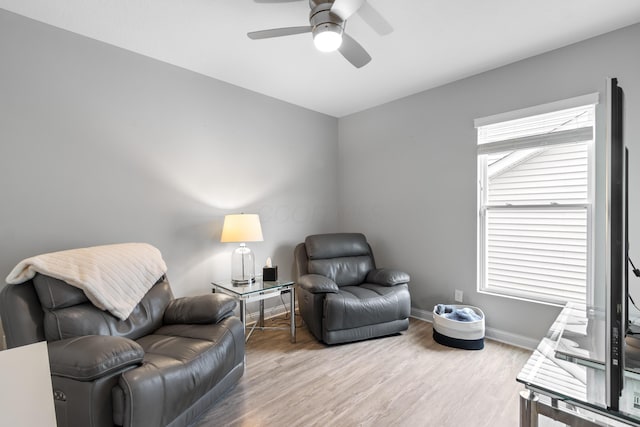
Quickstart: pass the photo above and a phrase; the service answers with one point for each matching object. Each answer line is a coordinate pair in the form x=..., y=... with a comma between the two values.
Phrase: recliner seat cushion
x=181, y=363
x=367, y=304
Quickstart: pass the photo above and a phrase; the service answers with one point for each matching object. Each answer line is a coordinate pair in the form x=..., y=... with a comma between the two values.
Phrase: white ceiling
x=433, y=42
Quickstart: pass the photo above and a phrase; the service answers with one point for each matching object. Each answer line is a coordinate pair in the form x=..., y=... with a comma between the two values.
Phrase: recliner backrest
x=68, y=313
x=345, y=258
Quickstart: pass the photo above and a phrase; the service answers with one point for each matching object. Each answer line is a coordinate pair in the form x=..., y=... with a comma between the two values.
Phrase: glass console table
x=259, y=291
x=565, y=376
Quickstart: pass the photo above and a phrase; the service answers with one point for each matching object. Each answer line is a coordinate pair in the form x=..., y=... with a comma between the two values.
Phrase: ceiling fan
x=327, y=20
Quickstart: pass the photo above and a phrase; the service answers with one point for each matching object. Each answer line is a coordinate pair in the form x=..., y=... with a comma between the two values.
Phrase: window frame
x=482, y=204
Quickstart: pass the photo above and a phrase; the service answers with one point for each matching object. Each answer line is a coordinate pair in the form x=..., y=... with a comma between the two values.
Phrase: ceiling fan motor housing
x=322, y=19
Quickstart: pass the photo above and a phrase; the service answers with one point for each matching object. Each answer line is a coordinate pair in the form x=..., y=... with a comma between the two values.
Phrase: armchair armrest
x=387, y=277
x=209, y=308
x=317, y=284
x=89, y=357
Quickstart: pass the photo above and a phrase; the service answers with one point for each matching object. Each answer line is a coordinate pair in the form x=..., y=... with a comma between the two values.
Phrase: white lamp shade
x=238, y=228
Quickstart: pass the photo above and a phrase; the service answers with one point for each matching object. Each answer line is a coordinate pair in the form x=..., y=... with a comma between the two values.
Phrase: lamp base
x=244, y=282
x=243, y=266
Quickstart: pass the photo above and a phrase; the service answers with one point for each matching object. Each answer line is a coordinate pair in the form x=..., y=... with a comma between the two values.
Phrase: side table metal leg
x=528, y=409
x=292, y=302
x=243, y=315
x=261, y=320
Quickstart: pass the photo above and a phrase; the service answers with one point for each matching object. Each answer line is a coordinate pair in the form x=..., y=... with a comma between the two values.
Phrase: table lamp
x=242, y=228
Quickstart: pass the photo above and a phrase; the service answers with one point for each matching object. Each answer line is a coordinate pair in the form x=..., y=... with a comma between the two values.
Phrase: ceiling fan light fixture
x=327, y=37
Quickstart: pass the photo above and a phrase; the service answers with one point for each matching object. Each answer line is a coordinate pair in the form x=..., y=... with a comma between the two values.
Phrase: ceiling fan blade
x=278, y=32
x=376, y=21
x=345, y=8
x=353, y=52
x=275, y=1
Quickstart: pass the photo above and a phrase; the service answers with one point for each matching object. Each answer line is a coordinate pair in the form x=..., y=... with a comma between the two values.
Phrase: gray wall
x=408, y=172
x=100, y=145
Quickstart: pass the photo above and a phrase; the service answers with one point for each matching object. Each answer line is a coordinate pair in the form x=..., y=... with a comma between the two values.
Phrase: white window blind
x=535, y=206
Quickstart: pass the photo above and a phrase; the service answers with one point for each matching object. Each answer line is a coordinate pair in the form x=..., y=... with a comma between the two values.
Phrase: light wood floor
x=402, y=380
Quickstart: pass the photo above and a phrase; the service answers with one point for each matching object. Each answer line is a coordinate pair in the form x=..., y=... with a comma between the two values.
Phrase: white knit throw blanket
x=114, y=278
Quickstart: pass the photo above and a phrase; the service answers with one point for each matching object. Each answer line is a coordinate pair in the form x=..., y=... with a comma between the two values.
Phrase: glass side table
x=565, y=376
x=259, y=291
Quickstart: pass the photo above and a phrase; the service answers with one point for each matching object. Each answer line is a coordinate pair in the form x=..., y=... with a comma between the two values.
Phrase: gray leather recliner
x=342, y=296
x=163, y=366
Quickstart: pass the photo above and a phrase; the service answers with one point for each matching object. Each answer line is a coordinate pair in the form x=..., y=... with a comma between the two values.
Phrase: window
x=535, y=202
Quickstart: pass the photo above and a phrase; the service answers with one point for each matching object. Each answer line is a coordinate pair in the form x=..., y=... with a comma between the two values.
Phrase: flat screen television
x=617, y=245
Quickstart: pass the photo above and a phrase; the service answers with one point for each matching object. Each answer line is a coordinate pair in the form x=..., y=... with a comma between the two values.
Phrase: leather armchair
x=342, y=296
x=162, y=366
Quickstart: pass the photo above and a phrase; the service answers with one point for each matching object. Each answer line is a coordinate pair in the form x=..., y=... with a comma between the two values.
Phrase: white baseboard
x=489, y=333
x=427, y=316
x=511, y=339
x=269, y=312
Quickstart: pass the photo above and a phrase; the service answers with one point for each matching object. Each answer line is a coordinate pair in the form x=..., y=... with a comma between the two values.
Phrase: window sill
x=559, y=304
